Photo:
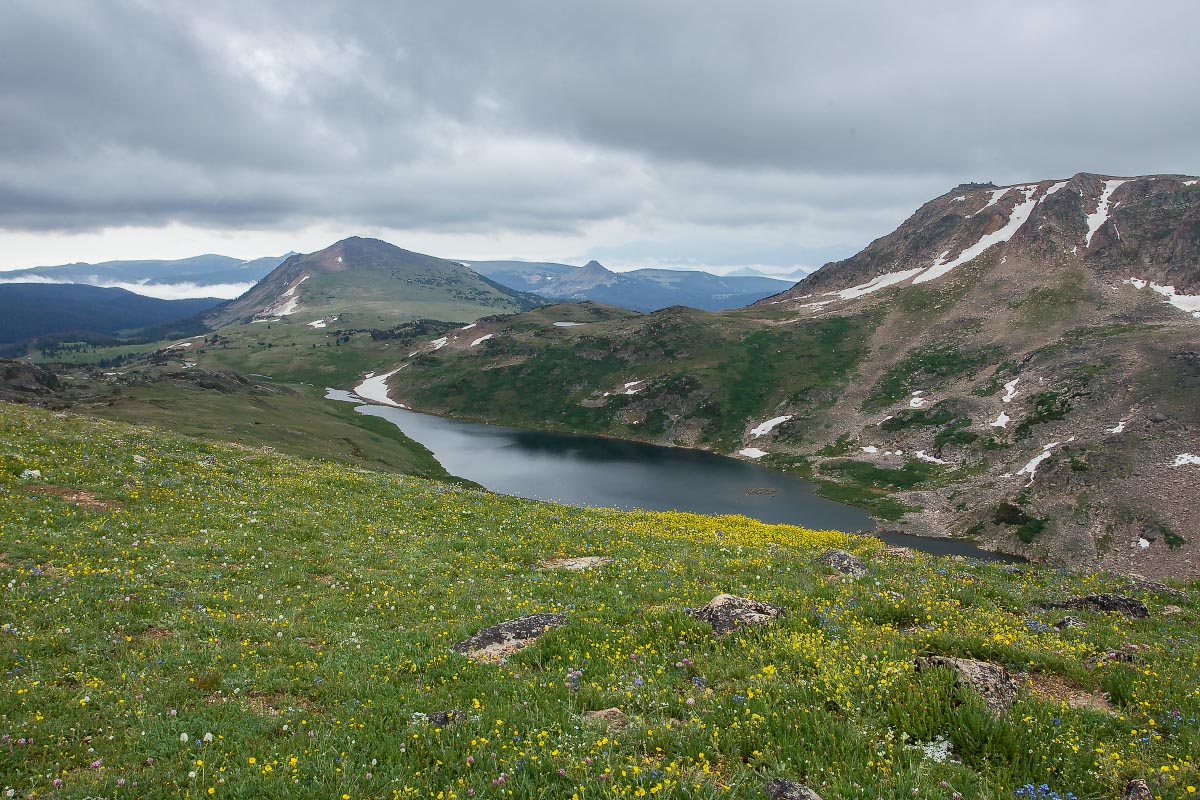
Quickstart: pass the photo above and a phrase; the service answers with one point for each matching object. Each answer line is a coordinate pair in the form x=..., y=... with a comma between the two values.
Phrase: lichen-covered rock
x=843, y=562
x=503, y=639
x=1140, y=584
x=1138, y=789
x=780, y=789
x=992, y=682
x=726, y=612
x=1109, y=603
x=1069, y=622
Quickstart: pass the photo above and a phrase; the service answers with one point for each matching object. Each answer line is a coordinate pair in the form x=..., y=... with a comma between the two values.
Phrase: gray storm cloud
x=801, y=121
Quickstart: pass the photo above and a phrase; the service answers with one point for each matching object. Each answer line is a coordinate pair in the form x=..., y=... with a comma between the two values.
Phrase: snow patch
x=1010, y=390
x=1184, y=459
x=873, y=285
x=1018, y=217
x=568, y=324
x=870, y=449
x=633, y=387
x=1118, y=428
x=766, y=427
x=1054, y=189
x=468, y=327
x=295, y=286
x=482, y=339
x=374, y=389
x=1001, y=421
x=1190, y=183
x=923, y=456
x=1030, y=469
x=1100, y=216
x=1184, y=302
x=438, y=344
x=339, y=259
x=752, y=452
x=916, y=401
x=996, y=195
x=317, y=323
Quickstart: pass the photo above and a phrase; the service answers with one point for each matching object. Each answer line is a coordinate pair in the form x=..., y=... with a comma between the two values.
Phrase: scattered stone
x=768, y=490
x=899, y=552
x=140, y=459
x=578, y=562
x=1057, y=689
x=1069, y=622
x=440, y=719
x=991, y=681
x=843, y=562
x=499, y=641
x=1170, y=611
x=1110, y=603
x=613, y=718
x=31, y=475
x=780, y=789
x=1140, y=584
x=725, y=612
x=1138, y=789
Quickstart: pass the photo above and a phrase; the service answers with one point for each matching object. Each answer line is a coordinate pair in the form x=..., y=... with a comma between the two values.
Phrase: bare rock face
x=503, y=639
x=1111, y=603
x=843, y=562
x=726, y=612
x=780, y=789
x=992, y=682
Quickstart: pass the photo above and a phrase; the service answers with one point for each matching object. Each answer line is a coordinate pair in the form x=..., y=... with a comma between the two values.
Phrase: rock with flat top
x=441, y=719
x=990, y=681
x=1109, y=603
x=726, y=612
x=612, y=718
x=780, y=789
x=499, y=641
x=843, y=562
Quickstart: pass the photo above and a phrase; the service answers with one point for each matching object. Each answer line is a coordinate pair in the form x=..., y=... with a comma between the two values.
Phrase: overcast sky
x=706, y=134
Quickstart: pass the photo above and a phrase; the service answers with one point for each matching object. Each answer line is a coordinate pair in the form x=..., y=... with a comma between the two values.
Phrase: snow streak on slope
x=374, y=389
x=874, y=285
x=1020, y=214
x=1097, y=219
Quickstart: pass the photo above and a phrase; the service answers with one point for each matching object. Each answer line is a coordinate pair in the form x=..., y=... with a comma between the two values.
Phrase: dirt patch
x=264, y=704
x=155, y=632
x=1057, y=689
x=578, y=562
x=86, y=500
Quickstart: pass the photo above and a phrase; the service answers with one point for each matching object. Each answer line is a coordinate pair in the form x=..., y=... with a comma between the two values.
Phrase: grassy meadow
x=223, y=621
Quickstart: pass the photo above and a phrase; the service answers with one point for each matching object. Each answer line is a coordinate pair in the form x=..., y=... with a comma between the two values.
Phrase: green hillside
x=184, y=619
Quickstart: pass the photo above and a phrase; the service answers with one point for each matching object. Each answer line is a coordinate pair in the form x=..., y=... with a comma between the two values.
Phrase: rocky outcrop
x=450, y=716
x=843, y=562
x=1108, y=603
x=22, y=382
x=781, y=789
x=499, y=641
x=1137, y=789
x=611, y=718
x=727, y=612
x=992, y=682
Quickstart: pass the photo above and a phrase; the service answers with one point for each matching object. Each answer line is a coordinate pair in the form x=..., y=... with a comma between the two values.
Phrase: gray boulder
x=843, y=562
x=992, y=682
x=726, y=612
x=503, y=639
x=780, y=789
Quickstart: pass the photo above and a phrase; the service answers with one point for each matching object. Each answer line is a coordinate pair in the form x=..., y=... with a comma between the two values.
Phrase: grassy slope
x=301, y=613
x=297, y=422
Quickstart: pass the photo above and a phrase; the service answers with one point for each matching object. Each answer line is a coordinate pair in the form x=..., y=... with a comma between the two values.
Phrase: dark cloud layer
x=829, y=123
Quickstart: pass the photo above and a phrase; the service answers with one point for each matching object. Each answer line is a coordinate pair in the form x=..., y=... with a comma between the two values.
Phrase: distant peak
x=595, y=266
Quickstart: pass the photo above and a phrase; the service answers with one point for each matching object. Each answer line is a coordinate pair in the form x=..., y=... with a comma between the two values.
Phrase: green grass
x=252, y=625
x=922, y=369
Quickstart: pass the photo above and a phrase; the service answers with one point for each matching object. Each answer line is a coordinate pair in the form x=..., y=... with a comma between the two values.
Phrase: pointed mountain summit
x=373, y=282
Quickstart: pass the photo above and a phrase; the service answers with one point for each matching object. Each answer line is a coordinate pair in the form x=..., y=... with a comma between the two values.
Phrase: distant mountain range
x=637, y=290
x=210, y=275
x=29, y=311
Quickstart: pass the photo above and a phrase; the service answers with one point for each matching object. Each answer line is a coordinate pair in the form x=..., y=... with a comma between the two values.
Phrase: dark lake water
x=611, y=473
